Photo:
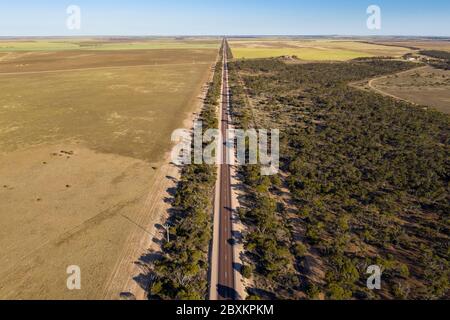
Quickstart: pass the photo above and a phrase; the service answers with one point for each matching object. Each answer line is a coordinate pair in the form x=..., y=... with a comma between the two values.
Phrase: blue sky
x=218, y=17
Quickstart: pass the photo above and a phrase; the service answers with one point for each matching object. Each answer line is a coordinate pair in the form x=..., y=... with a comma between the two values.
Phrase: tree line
x=443, y=58
x=182, y=273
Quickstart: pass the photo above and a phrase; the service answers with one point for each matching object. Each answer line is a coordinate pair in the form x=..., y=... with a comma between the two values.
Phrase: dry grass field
x=55, y=61
x=311, y=50
x=83, y=137
x=424, y=86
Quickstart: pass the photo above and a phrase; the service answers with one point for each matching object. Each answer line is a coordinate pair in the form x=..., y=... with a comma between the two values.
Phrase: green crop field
x=304, y=54
x=95, y=44
x=311, y=50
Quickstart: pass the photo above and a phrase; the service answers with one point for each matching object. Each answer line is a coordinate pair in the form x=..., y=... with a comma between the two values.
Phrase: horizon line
x=229, y=36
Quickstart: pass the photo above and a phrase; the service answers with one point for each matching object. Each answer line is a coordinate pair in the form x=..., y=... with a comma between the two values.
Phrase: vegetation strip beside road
x=267, y=241
x=182, y=272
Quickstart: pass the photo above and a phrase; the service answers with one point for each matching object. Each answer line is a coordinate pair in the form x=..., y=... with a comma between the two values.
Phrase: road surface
x=226, y=278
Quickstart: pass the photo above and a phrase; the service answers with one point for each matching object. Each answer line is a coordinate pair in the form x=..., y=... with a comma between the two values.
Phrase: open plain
x=83, y=136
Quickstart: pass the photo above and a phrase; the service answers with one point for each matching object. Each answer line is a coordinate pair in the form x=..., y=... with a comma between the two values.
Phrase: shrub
x=247, y=271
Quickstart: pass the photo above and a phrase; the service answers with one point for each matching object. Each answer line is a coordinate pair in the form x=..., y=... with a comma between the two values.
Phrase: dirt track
x=371, y=85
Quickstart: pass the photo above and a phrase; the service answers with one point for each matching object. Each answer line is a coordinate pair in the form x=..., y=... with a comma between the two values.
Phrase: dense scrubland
x=364, y=181
x=443, y=58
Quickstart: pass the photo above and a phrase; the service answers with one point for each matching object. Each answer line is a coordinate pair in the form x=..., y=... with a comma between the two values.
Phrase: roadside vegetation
x=367, y=180
x=229, y=51
x=267, y=240
x=182, y=272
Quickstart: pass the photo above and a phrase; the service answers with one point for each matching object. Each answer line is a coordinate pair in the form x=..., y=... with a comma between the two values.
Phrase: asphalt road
x=226, y=281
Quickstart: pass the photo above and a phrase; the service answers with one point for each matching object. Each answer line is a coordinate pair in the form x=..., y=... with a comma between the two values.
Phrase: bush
x=253, y=297
x=336, y=292
x=312, y=292
x=300, y=250
x=247, y=271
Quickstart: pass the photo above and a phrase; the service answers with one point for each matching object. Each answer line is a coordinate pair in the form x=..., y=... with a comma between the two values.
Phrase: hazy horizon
x=45, y=18
x=230, y=36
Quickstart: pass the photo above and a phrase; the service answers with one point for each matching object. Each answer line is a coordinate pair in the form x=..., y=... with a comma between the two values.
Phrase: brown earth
x=83, y=161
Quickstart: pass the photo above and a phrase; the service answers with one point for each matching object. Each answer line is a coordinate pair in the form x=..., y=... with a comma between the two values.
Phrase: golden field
x=83, y=137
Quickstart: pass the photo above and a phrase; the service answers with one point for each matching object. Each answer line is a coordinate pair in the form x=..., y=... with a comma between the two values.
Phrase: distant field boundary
x=396, y=45
x=98, y=45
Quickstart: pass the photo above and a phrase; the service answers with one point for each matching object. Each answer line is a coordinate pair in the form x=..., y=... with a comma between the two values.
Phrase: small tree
x=300, y=250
